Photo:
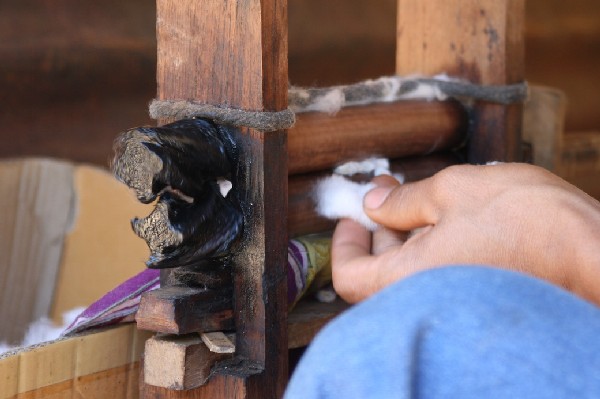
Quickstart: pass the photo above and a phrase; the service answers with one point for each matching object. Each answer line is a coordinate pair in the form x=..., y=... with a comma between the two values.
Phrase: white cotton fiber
x=376, y=166
x=44, y=330
x=338, y=197
x=331, y=102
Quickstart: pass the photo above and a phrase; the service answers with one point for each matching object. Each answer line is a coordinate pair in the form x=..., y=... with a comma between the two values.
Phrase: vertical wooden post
x=479, y=40
x=234, y=53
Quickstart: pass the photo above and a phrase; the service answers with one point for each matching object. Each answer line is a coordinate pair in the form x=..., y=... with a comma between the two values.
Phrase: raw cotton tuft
x=338, y=197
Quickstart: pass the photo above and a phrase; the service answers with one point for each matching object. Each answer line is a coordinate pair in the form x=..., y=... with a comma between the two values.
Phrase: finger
x=351, y=262
x=350, y=240
x=385, y=181
x=404, y=207
x=385, y=239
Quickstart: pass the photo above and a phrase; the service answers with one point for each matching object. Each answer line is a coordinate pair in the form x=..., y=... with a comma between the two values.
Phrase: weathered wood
x=481, y=41
x=308, y=317
x=302, y=218
x=319, y=141
x=179, y=362
x=182, y=310
x=218, y=342
x=220, y=386
x=235, y=53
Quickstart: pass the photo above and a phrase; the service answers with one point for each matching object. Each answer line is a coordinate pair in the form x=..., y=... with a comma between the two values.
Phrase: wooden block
x=218, y=342
x=182, y=310
x=320, y=141
x=179, y=362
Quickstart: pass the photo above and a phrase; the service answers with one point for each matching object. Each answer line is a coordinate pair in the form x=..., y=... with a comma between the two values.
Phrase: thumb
x=401, y=207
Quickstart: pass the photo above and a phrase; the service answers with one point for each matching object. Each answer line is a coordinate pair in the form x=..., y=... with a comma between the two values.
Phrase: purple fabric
x=297, y=270
x=117, y=304
x=120, y=304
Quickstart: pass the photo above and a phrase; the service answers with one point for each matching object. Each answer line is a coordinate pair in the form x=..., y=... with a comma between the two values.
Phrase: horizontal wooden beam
x=308, y=317
x=302, y=218
x=182, y=310
x=319, y=141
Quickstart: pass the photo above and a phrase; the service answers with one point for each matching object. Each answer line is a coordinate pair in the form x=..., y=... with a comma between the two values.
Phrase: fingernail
x=376, y=197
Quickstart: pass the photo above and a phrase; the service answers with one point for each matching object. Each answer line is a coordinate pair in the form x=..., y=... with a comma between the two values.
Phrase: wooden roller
x=302, y=218
x=319, y=141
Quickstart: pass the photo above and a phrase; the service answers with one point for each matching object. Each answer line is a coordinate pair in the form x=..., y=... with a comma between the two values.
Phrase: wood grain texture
x=319, y=141
x=220, y=386
x=183, y=310
x=118, y=382
x=479, y=40
x=302, y=217
x=197, y=47
x=95, y=365
x=235, y=53
x=178, y=362
x=307, y=319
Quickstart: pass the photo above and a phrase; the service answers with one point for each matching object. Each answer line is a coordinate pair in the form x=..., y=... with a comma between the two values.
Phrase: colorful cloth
x=118, y=306
x=309, y=265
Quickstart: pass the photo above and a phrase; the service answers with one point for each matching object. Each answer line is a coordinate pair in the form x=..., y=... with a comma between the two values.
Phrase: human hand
x=512, y=216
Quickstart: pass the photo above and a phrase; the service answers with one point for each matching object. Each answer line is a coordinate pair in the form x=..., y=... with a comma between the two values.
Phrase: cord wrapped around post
x=331, y=99
x=260, y=120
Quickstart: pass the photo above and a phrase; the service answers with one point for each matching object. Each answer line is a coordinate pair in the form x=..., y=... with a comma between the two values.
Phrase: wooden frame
x=235, y=53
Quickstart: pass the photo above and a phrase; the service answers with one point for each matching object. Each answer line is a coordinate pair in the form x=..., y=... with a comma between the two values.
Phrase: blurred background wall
x=74, y=73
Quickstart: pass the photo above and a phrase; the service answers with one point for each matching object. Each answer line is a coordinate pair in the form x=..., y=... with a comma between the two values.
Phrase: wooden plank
x=183, y=310
x=302, y=217
x=118, y=382
x=9, y=376
x=47, y=365
x=235, y=53
x=307, y=319
x=218, y=342
x=111, y=348
x=481, y=41
x=92, y=365
x=220, y=386
x=319, y=141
